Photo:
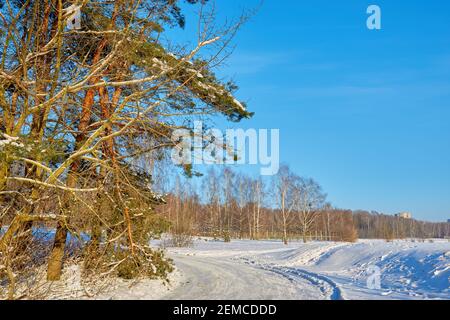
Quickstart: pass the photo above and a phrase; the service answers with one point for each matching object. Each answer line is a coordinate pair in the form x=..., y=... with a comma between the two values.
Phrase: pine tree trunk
x=3, y=175
x=56, y=258
x=55, y=262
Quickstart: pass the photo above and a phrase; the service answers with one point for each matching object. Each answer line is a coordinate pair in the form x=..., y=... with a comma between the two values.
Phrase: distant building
x=404, y=215
x=448, y=220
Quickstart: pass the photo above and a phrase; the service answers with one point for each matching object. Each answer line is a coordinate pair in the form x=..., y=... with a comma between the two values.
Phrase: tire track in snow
x=213, y=278
x=291, y=271
x=329, y=289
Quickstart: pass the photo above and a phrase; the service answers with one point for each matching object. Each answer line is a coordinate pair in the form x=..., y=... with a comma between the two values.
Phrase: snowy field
x=312, y=271
x=254, y=270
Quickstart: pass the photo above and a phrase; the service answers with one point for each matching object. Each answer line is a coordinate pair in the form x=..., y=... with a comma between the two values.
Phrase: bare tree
x=286, y=197
x=228, y=192
x=258, y=194
x=309, y=200
x=211, y=192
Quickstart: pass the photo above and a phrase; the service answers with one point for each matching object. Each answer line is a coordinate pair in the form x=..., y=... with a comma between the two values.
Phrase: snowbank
x=409, y=269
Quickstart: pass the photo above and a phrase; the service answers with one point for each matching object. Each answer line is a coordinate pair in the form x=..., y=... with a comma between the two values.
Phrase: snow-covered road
x=253, y=270
x=218, y=278
x=312, y=271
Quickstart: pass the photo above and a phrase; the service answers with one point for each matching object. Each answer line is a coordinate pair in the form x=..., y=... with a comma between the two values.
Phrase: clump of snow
x=213, y=91
x=12, y=141
x=197, y=73
x=10, y=138
x=161, y=65
x=72, y=9
x=158, y=197
x=204, y=86
x=238, y=104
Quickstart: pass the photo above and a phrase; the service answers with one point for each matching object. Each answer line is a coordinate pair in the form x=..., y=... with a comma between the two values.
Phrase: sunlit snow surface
x=317, y=270
x=252, y=270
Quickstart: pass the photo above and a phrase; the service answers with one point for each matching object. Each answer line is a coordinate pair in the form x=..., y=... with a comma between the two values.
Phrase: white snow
x=74, y=286
x=197, y=73
x=160, y=64
x=254, y=270
x=13, y=141
x=316, y=270
x=238, y=104
x=142, y=290
x=217, y=91
x=204, y=86
x=73, y=8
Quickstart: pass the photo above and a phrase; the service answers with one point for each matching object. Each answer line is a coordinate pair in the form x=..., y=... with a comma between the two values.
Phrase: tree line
x=227, y=204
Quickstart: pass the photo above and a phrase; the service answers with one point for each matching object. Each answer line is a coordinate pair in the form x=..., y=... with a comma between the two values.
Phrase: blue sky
x=365, y=113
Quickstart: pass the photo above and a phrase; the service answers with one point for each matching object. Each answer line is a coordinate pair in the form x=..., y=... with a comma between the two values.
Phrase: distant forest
x=229, y=205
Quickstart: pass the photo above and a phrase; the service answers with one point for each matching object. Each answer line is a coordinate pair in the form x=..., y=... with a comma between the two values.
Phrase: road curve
x=213, y=278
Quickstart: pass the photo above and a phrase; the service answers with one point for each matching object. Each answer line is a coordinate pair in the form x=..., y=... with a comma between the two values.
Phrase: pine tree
x=83, y=108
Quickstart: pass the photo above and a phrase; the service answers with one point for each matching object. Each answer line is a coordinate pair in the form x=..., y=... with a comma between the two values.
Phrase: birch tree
x=309, y=200
x=286, y=197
